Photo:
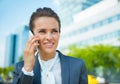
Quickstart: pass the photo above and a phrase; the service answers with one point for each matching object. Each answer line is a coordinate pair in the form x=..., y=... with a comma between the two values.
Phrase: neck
x=46, y=56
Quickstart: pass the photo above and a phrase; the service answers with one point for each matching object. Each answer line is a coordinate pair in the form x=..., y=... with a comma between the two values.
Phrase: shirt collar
x=48, y=64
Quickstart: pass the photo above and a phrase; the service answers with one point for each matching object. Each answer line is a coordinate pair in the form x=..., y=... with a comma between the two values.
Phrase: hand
x=29, y=53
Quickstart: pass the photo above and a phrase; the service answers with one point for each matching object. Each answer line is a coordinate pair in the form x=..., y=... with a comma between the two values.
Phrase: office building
x=10, y=52
x=23, y=36
x=15, y=44
x=98, y=24
x=68, y=8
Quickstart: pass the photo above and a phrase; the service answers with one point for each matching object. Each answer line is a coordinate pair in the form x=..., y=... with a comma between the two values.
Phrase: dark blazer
x=73, y=71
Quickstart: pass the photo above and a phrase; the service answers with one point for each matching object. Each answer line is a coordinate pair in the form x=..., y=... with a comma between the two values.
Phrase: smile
x=49, y=45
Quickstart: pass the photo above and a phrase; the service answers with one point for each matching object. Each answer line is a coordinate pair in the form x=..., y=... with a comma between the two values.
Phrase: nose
x=49, y=36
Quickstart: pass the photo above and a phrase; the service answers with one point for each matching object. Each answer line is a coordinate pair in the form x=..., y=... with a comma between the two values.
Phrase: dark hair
x=43, y=12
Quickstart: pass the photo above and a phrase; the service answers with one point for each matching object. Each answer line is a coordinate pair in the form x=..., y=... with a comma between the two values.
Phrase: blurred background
x=90, y=31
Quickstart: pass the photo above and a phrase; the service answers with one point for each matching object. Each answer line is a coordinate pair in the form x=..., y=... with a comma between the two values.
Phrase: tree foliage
x=97, y=55
x=4, y=72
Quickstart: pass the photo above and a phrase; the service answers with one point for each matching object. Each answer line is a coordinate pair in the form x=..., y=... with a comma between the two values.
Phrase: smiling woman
x=49, y=66
x=47, y=30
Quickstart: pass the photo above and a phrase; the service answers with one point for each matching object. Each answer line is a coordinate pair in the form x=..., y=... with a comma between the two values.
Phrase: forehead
x=46, y=22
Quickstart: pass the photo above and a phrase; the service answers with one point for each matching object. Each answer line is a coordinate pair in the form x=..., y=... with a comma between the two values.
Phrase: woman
x=48, y=66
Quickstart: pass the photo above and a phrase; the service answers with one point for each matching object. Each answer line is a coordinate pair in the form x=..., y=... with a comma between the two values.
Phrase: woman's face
x=47, y=28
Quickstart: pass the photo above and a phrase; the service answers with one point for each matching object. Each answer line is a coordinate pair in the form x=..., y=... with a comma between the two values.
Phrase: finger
x=31, y=50
x=32, y=40
x=33, y=47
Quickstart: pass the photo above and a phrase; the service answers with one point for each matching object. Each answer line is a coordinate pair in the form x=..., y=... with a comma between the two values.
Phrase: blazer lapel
x=37, y=72
x=64, y=69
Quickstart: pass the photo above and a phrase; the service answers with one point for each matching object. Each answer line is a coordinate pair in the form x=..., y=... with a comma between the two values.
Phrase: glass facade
x=94, y=26
x=15, y=44
x=10, y=49
x=99, y=39
x=23, y=36
x=68, y=8
x=98, y=31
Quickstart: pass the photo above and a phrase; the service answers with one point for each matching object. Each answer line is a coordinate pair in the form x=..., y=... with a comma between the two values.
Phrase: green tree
x=4, y=72
x=21, y=58
x=96, y=56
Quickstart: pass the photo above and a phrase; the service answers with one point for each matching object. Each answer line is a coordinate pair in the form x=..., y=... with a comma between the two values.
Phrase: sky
x=13, y=15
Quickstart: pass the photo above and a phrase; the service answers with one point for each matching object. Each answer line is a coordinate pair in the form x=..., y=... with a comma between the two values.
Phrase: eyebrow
x=46, y=29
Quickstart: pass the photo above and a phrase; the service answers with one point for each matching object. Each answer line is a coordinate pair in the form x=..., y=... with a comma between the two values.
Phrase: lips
x=49, y=45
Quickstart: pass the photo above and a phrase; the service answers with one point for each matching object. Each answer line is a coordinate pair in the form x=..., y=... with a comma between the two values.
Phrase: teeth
x=49, y=44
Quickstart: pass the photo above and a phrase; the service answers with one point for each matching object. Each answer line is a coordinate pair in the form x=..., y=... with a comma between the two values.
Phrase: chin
x=50, y=51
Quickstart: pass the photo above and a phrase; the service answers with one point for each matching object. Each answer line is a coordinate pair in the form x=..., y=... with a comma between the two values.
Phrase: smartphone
x=30, y=34
x=36, y=48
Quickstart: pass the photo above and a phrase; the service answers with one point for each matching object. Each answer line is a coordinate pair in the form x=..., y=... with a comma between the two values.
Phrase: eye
x=54, y=31
x=41, y=31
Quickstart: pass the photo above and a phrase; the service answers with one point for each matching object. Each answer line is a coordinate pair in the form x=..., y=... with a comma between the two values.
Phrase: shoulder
x=75, y=61
x=76, y=64
x=72, y=60
x=19, y=65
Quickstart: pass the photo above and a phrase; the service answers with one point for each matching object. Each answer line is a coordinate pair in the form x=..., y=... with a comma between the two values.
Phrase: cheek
x=57, y=38
x=40, y=39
